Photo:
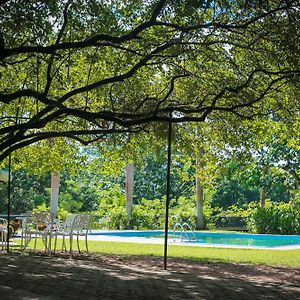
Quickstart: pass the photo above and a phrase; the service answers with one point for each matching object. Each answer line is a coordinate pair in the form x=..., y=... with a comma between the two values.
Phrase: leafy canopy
x=87, y=70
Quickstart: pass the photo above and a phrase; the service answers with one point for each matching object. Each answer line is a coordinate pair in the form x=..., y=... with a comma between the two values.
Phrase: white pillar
x=55, y=179
x=129, y=182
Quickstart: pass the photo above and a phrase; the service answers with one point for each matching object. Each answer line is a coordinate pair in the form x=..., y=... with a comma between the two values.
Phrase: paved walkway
x=116, y=277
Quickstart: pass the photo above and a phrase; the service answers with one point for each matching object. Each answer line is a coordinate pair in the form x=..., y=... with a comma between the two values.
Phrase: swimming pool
x=207, y=238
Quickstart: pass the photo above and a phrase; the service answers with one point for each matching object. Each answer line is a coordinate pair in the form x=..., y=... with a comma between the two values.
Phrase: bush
x=234, y=216
x=183, y=212
x=149, y=214
x=40, y=208
x=62, y=214
x=115, y=218
x=277, y=218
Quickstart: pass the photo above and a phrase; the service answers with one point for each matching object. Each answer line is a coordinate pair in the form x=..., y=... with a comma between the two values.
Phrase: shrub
x=62, y=214
x=277, y=218
x=116, y=218
x=183, y=212
x=148, y=214
x=234, y=216
x=40, y=208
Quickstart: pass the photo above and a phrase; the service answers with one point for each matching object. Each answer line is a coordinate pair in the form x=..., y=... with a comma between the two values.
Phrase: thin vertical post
x=167, y=196
x=8, y=201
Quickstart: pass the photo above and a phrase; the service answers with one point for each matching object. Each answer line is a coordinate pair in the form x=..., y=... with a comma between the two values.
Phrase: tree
x=197, y=143
x=28, y=191
x=150, y=177
x=88, y=70
x=261, y=158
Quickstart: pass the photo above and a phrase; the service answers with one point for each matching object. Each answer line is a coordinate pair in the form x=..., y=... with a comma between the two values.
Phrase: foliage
x=61, y=213
x=277, y=218
x=150, y=177
x=231, y=187
x=145, y=215
x=226, y=217
x=27, y=191
x=86, y=70
x=98, y=186
x=148, y=214
x=40, y=208
x=116, y=73
x=239, y=182
x=183, y=211
x=116, y=218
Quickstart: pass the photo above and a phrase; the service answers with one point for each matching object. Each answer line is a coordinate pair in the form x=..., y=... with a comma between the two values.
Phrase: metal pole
x=8, y=201
x=167, y=196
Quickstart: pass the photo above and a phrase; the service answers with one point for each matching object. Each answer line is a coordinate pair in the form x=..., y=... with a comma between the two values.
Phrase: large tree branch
x=130, y=119
x=7, y=98
x=134, y=34
x=71, y=134
x=191, y=44
x=122, y=77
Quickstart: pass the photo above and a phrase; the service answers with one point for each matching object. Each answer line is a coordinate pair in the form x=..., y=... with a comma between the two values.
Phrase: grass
x=287, y=258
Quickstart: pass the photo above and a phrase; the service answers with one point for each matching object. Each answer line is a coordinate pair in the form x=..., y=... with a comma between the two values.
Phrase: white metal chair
x=81, y=228
x=35, y=225
x=65, y=230
x=3, y=232
x=74, y=225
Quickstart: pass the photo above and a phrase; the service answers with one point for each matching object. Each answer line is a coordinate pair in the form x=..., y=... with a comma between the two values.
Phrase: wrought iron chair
x=3, y=232
x=74, y=225
x=65, y=229
x=35, y=225
x=81, y=228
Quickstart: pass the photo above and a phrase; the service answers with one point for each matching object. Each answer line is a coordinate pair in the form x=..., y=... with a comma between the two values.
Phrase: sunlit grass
x=289, y=258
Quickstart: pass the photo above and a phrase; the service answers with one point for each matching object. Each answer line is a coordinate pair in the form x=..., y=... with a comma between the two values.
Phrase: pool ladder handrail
x=184, y=232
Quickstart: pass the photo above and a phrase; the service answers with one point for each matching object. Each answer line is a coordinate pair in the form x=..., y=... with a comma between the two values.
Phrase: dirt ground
x=134, y=277
x=258, y=273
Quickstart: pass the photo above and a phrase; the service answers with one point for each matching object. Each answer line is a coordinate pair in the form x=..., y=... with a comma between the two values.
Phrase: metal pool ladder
x=190, y=235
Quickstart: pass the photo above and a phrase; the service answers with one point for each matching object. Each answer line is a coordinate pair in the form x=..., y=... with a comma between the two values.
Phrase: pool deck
x=176, y=242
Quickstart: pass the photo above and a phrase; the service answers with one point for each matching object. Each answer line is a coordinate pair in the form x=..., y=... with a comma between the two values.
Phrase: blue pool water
x=212, y=238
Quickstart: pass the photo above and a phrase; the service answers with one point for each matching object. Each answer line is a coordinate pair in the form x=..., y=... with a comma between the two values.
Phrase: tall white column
x=55, y=180
x=129, y=183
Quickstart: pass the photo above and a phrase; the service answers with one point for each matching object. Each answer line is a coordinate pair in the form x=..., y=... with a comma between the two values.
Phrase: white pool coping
x=177, y=242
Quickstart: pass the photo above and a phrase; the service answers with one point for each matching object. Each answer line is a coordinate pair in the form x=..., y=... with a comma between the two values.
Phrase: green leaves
x=111, y=72
x=281, y=218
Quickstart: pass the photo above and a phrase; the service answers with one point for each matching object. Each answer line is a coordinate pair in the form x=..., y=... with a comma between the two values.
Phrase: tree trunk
x=55, y=180
x=262, y=196
x=200, y=192
x=129, y=184
x=199, y=204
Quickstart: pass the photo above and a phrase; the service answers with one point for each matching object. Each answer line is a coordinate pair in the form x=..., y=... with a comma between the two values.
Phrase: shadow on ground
x=117, y=277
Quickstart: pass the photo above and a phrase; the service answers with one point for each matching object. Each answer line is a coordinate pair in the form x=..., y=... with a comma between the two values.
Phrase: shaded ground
x=121, y=277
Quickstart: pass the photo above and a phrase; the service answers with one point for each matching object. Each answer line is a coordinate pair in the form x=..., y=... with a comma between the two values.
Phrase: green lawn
x=289, y=258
